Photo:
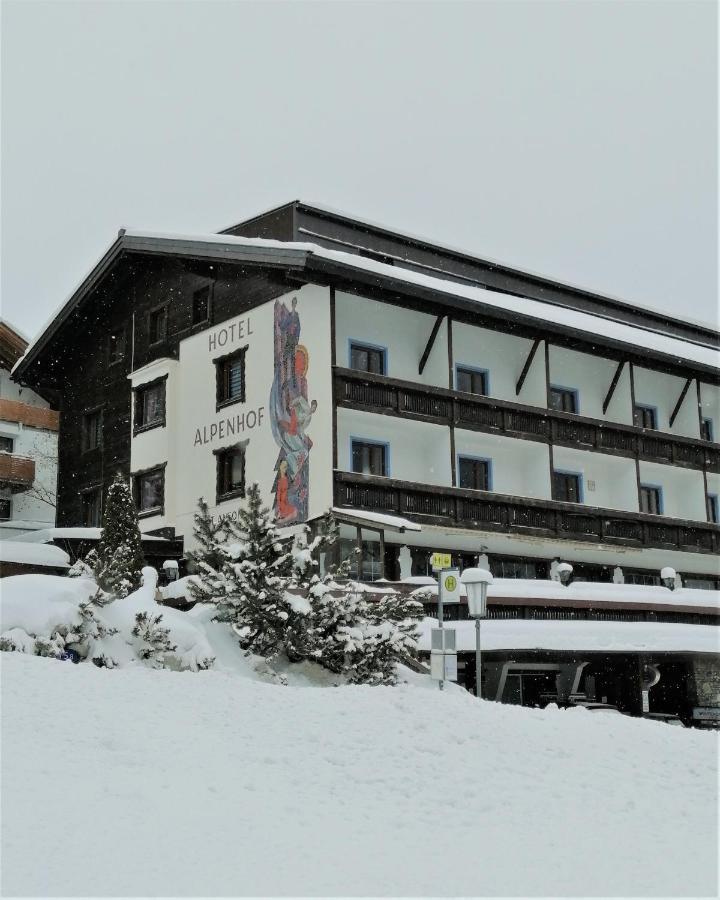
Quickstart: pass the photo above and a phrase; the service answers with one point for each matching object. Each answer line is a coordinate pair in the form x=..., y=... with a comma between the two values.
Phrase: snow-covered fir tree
x=119, y=553
x=154, y=639
x=256, y=572
x=209, y=557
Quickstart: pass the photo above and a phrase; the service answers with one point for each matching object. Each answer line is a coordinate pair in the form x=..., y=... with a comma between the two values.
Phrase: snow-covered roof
x=580, y=635
x=594, y=593
x=47, y=535
x=16, y=551
x=394, y=523
x=595, y=327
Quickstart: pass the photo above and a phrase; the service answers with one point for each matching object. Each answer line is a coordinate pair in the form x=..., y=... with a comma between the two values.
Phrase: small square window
x=367, y=359
x=564, y=399
x=712, y=508
x=706, y=429
x=230, y=473
x=116, y=346
x=230, y=377
x=471, y=381
x=369, y=458
x=150, y=491
x=150, y=405
x=567, y=487
x=645, y=416
x=474, y=473
x=201, y=305
x=91, y=503
x=6, y=444
x=5, y=509
x=92, y=432
x=157, y=325
x=650, y=499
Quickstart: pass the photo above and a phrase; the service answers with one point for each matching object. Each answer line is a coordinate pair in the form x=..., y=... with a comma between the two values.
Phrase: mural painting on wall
x=290, y=415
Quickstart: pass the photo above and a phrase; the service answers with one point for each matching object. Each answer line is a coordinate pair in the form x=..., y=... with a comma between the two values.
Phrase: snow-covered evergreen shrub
x=119, y=553
x=154, y=639
x=210, y=556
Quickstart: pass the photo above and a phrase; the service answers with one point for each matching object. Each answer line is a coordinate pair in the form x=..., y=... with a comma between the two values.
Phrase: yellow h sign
x=441, y=561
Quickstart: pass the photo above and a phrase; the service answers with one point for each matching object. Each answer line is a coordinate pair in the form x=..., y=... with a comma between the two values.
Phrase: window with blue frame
x=712, y=508
x=645, y=416
x=651, y=499
x=474, y=473
x=706, y=429
x=369, y=457
x=471, y=381
x=567, y=487
x=366, y=358
x=563, y=399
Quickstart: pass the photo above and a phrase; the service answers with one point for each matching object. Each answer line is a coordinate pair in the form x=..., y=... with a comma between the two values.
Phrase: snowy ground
x=136, y=782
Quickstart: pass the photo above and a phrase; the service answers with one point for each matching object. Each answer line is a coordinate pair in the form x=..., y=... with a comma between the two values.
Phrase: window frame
x=11, y=438
x=86, y=492
x=646, y=486
x=140, y=427
x=221, y=454
x=646, y=407
x=706, y=423
x=9, y=502
x=194, y=323
x=136, y=478
x=94, y=411
x=121, y=331
x=221, y=363
x=473, y=370
x=160, y=308
x=580, y=484
x=355, y=343
x=713, y=508
x=573, y=392
x=475, y=459
x=355, y=439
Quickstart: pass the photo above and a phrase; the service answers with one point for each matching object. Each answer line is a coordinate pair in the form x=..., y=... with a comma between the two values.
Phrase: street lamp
x=476, y=583
x=667, y=576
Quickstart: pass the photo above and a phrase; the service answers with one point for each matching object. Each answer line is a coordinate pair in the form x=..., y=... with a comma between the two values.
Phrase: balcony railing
x=389, y=396
x=460, y=508
x=16, y=472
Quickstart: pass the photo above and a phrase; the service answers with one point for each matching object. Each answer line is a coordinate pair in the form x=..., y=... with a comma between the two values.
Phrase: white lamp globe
x=476, y=583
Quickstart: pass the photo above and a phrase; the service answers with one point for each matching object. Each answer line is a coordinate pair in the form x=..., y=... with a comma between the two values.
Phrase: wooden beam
x=683, y=392
x=613, y=385
x=429, y=345
x=526, y=367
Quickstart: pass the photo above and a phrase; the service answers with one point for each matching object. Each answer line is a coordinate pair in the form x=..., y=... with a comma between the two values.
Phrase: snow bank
x=40, y=604
x=46, y=535
x=17, y=551
x=144, y=783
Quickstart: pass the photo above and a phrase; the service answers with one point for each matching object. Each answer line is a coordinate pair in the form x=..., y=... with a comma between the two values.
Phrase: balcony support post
x=429, y=345
x=613, y=385
x=683, y=392
x=526, y=367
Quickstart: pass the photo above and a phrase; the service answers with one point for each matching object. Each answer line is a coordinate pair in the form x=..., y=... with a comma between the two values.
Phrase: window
x=92, y=430
x=701, y=582
x=651, y=579
x=518, y=568
x=230, y=473
x=5, y=508
x=706, y=429
x=116, y=346
x=650, y=499
x=645, y=416
x=91, y=503
x=474, y=473
x=201, y=305
x=367, y=359
x=150, y=491
x=230, y=373
x=564, y=399
x=369, y=458
x=567, y=487
x=6, y=444
x=712, y=508
x=157, y=325
x=150, y=405
x=471, y=381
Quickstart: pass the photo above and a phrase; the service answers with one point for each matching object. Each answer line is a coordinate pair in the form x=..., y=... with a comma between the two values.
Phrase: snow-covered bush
x=155, y=640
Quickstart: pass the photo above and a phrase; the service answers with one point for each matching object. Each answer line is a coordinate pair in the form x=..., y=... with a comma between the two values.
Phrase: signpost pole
x=440, y=611
x=478, y=666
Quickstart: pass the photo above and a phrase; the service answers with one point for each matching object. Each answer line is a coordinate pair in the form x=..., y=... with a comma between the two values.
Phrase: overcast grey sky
x=577, y=139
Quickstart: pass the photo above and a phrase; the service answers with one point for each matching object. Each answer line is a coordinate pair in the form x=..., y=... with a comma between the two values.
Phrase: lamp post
x=476, y=582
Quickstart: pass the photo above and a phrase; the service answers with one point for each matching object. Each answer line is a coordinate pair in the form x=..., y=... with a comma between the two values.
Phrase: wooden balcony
x=390, y=396
x=485, y=511
x=16, y=472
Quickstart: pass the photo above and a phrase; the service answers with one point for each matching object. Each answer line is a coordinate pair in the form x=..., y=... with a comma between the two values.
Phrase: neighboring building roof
x=12, y=345
x=315, y=260
x=23, y=553
x=48, y=535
